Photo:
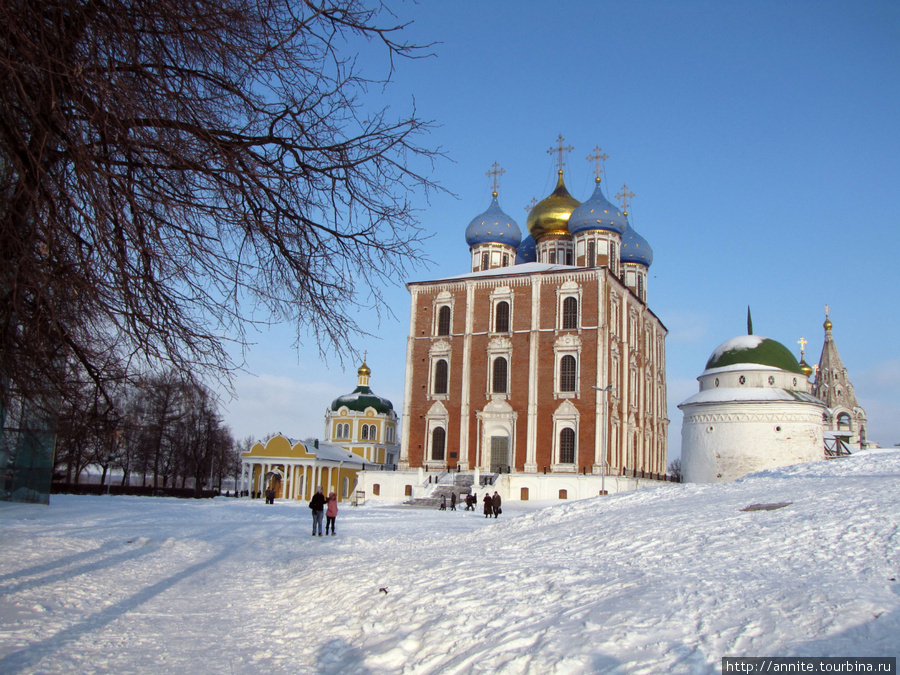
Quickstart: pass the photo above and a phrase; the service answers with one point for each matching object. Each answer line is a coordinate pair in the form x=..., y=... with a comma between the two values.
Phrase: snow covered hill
x=663, y=580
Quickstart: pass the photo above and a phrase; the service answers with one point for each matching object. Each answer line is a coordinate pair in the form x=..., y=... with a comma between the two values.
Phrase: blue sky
x=762, y=141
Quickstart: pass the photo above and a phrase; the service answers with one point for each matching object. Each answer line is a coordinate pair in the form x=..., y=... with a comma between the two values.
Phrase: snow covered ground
x=662, y=580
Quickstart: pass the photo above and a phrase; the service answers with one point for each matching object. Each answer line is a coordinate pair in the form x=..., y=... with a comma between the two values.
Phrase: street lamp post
x=604, y=390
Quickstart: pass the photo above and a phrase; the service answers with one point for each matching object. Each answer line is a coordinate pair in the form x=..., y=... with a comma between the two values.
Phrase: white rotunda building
x=754, y=411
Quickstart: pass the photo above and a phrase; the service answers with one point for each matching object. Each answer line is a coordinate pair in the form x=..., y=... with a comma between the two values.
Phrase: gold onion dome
x=805, y=367
x=364, y=370
x=550, y=216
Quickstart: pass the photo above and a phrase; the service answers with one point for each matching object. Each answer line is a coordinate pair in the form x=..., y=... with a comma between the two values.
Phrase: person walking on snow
x=488, y=505
x=317, y=504
x=331, y=512
x=495, y=502
x=443, y=503
x=453, y=501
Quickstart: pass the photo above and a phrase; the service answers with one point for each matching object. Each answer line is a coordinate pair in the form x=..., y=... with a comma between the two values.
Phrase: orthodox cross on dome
x=494, y=174
x=530, y=205
x=559, y=150
x=802, y=342
x=597, y=158
x=826, y=311
x=365, y=354
x=625, y=196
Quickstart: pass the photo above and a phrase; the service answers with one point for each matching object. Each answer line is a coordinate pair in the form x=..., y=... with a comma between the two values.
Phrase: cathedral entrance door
x=499, y=453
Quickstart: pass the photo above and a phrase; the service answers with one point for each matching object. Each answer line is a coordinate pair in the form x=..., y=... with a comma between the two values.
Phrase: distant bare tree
x=675, y=469
x=172, y=173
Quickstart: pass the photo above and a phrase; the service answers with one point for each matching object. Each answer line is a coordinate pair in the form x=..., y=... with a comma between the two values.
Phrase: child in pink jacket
x=331, y=512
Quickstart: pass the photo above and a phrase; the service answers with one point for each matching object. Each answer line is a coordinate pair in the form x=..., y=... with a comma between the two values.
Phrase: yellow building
x=364, y=423
x=294, y=469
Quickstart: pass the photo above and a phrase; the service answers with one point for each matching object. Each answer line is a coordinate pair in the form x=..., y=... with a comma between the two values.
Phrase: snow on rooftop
x=662, y=580
x=737, y=344
x=729, y=394
x=523, y=268
x=738, y=367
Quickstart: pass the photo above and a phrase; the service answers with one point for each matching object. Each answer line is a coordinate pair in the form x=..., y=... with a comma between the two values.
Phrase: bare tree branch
x=172, y=173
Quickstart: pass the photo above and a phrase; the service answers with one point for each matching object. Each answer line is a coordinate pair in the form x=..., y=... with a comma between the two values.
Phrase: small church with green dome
x=364, y=423
x=757, y=409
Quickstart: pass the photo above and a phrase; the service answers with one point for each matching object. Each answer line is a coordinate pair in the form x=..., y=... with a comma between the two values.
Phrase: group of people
x=491, y=503
x=321, y=505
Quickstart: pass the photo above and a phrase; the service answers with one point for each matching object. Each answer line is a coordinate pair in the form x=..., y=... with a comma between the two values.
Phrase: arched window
x=567, y=446
x=567, y=373
x=485, y=260
x=501, y=317
x=440, y=377
x=570, y=313
x=592, y=254
x=500, y=376
x=364, y=432
x=373, y=432
x=444, y=320
x=843, y=422
x=438, y=442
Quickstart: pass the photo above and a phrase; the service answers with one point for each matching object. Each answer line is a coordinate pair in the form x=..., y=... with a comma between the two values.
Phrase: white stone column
x=465, y=406
x=403, y=463
x=533, y=356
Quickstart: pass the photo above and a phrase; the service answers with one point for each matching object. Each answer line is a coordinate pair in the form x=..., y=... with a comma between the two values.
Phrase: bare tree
x=174, y=172
x=675, y=469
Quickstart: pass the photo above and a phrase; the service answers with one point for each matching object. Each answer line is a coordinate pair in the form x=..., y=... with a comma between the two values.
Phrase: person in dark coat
x=453, y=501
x=495, y=502
x=317, y=504
x=488, y=505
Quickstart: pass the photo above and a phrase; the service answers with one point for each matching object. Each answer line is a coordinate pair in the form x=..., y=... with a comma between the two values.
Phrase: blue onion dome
x=635, y=248
x=753, y=349
x=597, y=213
x=527, y=251
x=551, y=215
x=493, y=227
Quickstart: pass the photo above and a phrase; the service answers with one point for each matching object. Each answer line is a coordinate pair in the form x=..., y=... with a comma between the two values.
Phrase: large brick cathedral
x=544, y=359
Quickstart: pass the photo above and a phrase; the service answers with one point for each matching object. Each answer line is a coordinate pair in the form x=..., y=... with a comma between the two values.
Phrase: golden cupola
x=550, y=216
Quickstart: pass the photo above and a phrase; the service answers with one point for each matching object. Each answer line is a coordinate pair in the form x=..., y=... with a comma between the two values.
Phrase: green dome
x=755, y=349
x=362, y=398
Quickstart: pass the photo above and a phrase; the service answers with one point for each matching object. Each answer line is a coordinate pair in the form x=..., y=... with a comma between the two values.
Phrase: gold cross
x=531, y=204
x=559, y=150
x=625, y=195
x=494, y=174
x=598, y=157
x=826, y=311
x=802, y=342
x=365, y=353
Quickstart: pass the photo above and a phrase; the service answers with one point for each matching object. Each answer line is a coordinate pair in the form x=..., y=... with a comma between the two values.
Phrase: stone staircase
x=447, y=483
